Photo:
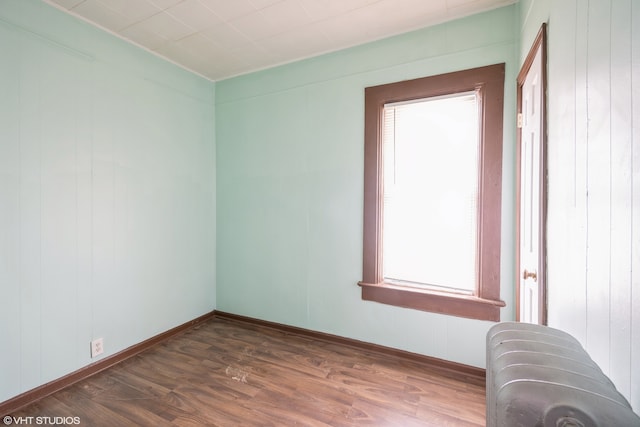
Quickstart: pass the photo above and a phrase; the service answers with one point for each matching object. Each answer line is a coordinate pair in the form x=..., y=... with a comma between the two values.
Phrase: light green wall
x=290, y=187
x=107, y=194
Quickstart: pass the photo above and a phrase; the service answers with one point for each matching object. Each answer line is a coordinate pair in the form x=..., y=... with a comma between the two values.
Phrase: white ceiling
x=223, y=38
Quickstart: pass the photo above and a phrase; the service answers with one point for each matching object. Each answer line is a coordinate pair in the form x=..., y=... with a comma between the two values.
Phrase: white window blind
x=431, y=170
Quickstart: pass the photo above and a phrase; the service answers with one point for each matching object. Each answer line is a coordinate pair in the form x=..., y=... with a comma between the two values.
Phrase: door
x=531, y=295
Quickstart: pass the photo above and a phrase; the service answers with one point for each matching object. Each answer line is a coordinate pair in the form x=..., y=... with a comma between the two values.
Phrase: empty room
x=320, y=212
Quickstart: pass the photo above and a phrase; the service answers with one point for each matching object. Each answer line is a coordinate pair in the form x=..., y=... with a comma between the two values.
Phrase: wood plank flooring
x=230, y=373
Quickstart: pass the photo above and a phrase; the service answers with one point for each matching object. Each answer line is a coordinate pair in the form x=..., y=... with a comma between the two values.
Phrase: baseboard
x=453, y=369
x=38, y=393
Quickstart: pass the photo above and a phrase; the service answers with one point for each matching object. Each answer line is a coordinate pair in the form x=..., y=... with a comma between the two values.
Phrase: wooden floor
x=230, y=373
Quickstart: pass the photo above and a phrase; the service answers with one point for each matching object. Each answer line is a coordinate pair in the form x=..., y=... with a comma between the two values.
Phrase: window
x=429, y=231
x=433, y=182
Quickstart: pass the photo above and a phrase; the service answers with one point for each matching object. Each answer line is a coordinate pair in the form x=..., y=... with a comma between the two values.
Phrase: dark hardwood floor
x=230, y=373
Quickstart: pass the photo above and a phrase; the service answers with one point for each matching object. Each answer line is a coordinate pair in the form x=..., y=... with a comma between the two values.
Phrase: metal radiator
x=540, y=376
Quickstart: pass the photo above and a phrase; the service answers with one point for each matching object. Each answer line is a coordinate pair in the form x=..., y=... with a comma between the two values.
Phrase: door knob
x=530, y=274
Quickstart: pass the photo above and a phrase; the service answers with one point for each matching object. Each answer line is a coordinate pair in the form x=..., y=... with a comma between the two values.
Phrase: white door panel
x=531, y=126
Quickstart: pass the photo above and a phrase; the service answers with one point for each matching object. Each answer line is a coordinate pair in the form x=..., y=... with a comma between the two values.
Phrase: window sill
x=430, y=300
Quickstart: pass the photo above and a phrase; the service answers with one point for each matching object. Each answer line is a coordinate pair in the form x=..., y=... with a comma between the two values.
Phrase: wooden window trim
x=485, y=304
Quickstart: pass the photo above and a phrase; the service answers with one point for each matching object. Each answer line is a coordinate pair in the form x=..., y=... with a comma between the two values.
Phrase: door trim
x=539, y=44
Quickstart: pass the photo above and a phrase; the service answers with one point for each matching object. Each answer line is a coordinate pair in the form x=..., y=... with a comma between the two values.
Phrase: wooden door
x=531, y=295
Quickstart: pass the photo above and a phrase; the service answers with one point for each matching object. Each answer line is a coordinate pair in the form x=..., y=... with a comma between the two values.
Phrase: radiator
x=540, y=376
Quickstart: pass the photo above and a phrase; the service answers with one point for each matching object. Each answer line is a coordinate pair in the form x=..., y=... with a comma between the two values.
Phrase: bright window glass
x=430, y=155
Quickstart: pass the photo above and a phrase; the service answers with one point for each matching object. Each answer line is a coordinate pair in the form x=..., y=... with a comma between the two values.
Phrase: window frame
x=485, y=303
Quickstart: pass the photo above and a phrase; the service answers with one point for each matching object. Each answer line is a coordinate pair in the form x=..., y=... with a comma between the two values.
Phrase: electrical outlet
x=97, y=347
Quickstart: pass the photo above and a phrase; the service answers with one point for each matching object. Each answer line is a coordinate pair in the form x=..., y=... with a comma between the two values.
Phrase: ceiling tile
x=238, y=61
x=167, y=26
x=97, y=12
x=190, y=61
x=228, y=10
x=224, y=32
x=397, y=21
x=67, y=4
x=142, y=35
x=277, y=18
x=260, y=4
x=381, y=19
x=136, y=10
x=212, y=70
x=194, y=14
x=251, y=55
x=286, y=14
x=254, y=26
x=190, y=50
x=458, y=8
x=165, y=4
x=197, y=44
x=456, y=3
x=345, y=30
x=299, y=42
x=319, y=10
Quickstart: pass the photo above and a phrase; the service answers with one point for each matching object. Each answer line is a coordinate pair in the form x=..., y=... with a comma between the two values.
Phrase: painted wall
x=107, y=194
x=290, y=187
x=594, y=177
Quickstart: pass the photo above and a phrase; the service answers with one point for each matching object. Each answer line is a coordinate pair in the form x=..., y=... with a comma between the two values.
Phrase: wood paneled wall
x=593, y=229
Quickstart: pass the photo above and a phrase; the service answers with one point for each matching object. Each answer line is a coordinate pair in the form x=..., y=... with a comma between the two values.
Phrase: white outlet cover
x=97, y=347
